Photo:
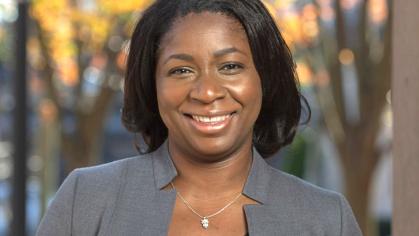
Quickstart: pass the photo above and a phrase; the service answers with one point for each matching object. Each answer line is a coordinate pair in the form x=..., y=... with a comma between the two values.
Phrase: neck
x=211, y=180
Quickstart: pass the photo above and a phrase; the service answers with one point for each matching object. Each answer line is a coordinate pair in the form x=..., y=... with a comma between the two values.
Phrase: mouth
x=210, y=124
x=210, y=119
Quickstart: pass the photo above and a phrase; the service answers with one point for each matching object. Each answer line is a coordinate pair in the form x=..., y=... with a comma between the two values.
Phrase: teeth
x=207, y=119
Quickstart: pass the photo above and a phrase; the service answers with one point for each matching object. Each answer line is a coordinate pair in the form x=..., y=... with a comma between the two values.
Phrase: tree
x=77, y=51
x=345, y=45
x=80, y=48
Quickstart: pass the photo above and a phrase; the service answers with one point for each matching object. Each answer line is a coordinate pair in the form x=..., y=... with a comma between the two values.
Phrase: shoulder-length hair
x=279, y=117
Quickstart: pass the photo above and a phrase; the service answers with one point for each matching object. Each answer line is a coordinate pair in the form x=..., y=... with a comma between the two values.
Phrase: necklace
x=204, y=219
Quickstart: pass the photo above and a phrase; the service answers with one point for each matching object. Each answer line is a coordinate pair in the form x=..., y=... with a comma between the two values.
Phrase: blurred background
x=76, y=52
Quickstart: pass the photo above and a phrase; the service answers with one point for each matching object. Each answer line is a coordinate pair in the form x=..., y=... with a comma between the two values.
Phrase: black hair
x=281, y=108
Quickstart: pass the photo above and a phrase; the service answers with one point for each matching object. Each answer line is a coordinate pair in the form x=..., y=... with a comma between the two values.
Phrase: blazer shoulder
x=286, y=183
x=87, y=196
x=102, y=183
x=314, y=204
x=114, y=166
x=111, y=172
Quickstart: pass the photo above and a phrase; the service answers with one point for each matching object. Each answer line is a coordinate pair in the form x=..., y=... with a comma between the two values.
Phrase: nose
x=207, y=89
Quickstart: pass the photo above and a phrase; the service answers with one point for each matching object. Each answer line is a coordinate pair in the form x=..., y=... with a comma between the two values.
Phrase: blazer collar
x=163, y=167
x=257, y=183
x=255, y=187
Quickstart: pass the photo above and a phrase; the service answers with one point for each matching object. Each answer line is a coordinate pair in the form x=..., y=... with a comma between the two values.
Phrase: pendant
x=205, y=223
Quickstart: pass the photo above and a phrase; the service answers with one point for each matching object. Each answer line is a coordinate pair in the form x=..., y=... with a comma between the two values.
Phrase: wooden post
x=405, y=93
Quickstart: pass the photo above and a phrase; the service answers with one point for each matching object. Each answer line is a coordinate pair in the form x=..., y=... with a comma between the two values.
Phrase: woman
x=212, y=88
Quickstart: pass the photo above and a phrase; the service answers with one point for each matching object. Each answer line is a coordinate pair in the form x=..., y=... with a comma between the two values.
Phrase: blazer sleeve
x=59, y=215
x=349, y=226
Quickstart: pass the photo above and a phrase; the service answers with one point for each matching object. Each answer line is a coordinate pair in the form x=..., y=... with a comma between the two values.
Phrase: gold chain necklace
x=204, y=219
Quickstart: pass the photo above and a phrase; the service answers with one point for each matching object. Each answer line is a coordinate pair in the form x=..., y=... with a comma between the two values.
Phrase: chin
x=215, y=150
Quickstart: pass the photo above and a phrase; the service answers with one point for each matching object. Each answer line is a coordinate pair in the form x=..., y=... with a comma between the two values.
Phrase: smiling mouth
x=210, y=124
x=210, y=119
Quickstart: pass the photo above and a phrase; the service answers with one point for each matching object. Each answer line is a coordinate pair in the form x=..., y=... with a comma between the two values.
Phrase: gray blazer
x=126, y=198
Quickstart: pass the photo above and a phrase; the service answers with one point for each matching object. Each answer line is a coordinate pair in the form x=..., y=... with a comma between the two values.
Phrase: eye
x=180, y=71
x=231, y=68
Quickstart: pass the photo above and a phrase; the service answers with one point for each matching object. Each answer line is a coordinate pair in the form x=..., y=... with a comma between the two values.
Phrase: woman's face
x=208, y=90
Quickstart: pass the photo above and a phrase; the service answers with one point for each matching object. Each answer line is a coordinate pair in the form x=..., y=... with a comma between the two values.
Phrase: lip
x=210, y=123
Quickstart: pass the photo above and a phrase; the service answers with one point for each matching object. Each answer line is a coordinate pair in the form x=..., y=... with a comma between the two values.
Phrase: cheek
x=248, y=93
x=169, y=97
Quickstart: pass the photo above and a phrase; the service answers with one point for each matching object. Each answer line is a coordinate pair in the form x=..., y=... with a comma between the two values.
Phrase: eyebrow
x=225, y=51
x=180, y=56
x=219, y=53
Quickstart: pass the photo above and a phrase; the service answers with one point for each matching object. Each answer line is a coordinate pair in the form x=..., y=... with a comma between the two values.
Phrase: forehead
x=203, y=27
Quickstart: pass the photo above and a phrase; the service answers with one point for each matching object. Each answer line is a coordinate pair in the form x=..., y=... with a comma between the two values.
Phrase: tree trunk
x=78, y=155
x=47, y=147
x=359, y=157
x=83, y=148
x=357, y=190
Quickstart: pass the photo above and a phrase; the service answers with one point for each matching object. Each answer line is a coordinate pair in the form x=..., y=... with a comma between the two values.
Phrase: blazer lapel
x=144, y=208
x=263, y=218
x=257, y=182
